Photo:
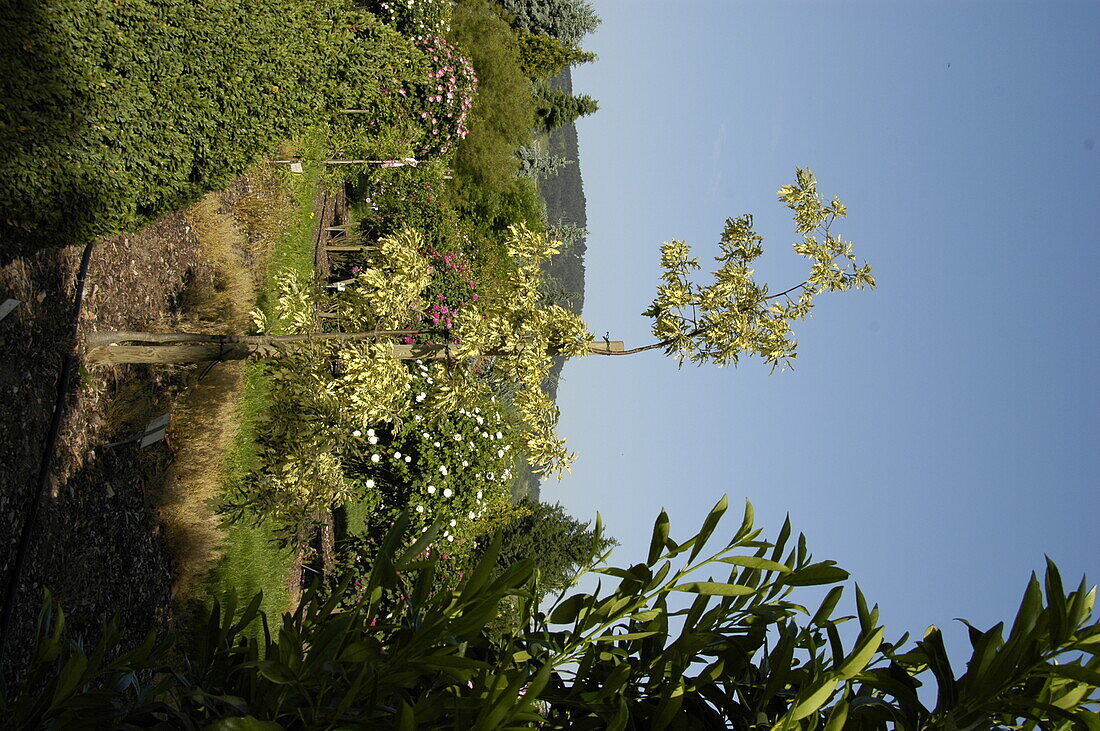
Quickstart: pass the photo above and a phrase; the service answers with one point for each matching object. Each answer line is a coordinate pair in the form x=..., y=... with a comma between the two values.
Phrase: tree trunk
x=103, y=347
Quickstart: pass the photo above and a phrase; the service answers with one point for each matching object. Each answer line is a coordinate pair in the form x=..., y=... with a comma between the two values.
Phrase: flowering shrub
x=452, y=287
x=436, y=94
x=414, y=18
x=413, y=199
x=456, y=467
x=443, y=100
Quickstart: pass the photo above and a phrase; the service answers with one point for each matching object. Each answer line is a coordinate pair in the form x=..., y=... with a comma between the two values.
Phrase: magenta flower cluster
x=439, y=311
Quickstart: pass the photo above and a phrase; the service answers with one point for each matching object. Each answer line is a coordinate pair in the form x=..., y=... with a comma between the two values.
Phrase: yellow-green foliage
x=735, y=315
x=384, y=293
x=325, y=394
x=523, y=337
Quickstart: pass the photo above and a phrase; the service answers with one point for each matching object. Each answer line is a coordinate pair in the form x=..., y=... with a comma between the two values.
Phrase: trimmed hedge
x=114, y=111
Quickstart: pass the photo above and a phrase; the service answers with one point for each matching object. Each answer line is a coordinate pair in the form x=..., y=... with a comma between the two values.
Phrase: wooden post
x=607, y=346
x=103, y=348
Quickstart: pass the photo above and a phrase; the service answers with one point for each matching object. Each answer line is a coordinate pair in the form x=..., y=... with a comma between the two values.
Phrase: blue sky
x=939, y=434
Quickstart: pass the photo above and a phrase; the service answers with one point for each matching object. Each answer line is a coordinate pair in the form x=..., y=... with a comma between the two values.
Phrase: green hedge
x=113, y=111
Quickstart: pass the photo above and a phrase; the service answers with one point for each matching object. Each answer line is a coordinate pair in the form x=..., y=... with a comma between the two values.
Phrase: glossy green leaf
x=940, y=665
x=714, y=517
x=714, y=588
x=625, y=636
x=660, y=535
x=824, y=572
x=862, y=655
x=755, y=562
x=818, y=694
x=669, y=702
x=828, y=604
x=568, y=611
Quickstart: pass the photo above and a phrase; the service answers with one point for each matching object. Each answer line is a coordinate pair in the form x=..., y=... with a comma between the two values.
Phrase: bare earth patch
x=96, y=543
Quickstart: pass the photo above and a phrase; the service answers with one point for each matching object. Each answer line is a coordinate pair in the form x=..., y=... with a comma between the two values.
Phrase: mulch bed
x=96, y=543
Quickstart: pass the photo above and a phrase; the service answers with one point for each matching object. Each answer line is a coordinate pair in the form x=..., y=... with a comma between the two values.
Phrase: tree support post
x=108, y=348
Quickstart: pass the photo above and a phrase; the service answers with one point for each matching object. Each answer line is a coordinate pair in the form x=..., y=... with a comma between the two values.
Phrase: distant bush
x=543, y=57
x=413, y=18
x=558, y=544
x=504, y=110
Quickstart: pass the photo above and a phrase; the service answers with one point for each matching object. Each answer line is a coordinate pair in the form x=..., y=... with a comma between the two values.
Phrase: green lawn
x=252, y=562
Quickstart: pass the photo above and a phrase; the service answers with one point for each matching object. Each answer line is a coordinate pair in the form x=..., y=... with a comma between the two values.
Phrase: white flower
x=465, y=463
x=369, y=483
x=472, y=515
x=431, y=489
x=370, y=432
x=500, y=452
x=420, y=508
x=458, y=437
x=499, y=435
x=356, y=433
x=479, y=494
x=480, y=421
x=373, y=440
x=450, y=538
x=443, y=470
x=435, y=444
x=374, y=458
x=447, y=492
x=397, y=455
x=408, y=459
x=453, y=523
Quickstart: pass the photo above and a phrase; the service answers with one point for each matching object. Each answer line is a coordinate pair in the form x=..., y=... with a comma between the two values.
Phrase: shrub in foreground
x=660, y=650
